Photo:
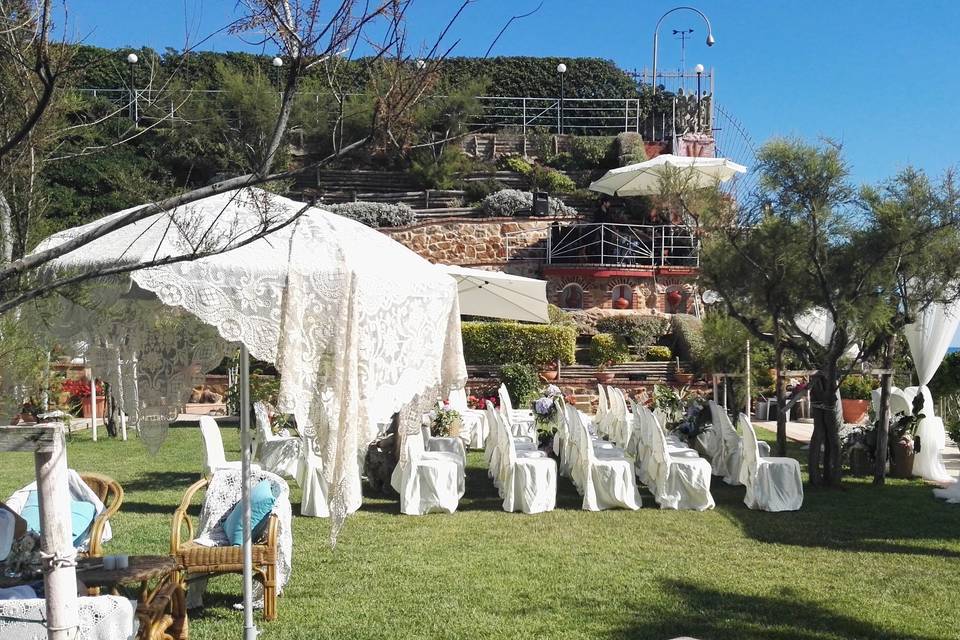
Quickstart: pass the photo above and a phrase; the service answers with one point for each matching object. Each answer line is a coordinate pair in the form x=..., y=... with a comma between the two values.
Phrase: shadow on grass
x=161, y=480
x=854, y=517
x=703, y=612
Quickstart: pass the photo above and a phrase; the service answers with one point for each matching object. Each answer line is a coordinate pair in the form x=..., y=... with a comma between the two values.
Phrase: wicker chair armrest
x=273, y=531
x=181, y=518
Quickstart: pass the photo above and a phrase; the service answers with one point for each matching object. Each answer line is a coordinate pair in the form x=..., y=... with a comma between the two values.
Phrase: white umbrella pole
x=249, y=630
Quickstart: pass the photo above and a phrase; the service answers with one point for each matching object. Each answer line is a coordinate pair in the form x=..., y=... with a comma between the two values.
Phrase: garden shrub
x=857, y=387
x=688, y=339
x=477, y=190
x=658, y=353
x=607, y=348
x=543, y=178
x=522, y=382
x=509, y=202
x=637, y=330
x=534, y=344
x=516, y=164
x=374, y=214
x=559, y=316
x=590, y=152
x=627, y=148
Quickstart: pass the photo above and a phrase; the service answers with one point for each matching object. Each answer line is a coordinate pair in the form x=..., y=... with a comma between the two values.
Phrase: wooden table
x=161, y=609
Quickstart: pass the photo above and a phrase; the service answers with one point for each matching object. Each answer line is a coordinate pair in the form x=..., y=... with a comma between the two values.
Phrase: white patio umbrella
x=357, y=324
x=495, y=294
x=644, y=178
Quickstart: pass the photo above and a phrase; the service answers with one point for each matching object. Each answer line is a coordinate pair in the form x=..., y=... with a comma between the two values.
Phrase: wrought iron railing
x=623, y=245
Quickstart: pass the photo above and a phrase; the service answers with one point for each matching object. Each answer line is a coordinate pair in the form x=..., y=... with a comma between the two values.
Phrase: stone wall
x=478, y=241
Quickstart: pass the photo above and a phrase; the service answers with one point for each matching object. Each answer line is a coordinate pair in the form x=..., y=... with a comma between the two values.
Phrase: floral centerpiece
x=546, y=414
x=696, y=420
x=480, y=401
x=445, y=421
x=79, y=392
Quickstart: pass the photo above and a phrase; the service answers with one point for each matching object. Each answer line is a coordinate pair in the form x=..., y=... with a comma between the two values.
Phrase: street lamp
x=421, y=64
x=132, y=60
x=699, y=70
x=656, y=38
x=562, y=70
x=277, y=62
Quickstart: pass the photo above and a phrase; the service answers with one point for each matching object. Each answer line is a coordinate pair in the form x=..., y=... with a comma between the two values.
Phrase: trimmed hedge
x=535, y=344
x=658, y=354
x=688, y=339
x=606, y=348
x=638, y=330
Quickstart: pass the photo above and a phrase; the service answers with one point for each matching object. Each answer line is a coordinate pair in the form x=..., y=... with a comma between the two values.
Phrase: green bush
x=857, y=387
x=637, y=330
x=688, y=339
x=607, y=348
x=543, y=178
x=658, y=353
x=627, y=148
x=533, y=344
x=477, y=190
x=522, y=382
x=590, y=152
x=516, y=164
x=559, y=316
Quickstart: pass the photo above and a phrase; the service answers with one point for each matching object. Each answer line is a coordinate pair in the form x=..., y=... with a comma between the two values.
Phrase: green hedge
x=512, y=342
x=607, y=348
x=658, y=354
x=688, y=339
x=638, y=330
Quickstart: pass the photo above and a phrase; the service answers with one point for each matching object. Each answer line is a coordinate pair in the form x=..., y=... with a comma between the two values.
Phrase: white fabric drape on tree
x=929, y=338
x=357, y=324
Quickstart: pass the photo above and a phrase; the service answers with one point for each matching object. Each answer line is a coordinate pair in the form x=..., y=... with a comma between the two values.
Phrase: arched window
x=622, y=291
x=571, y=297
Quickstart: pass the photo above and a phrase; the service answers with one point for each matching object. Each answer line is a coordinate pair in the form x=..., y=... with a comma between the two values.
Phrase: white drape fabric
x=357, y=324
x=101, y=618
x=222, y=495
x=929, y=338
x=78, y=491
x=773, y=484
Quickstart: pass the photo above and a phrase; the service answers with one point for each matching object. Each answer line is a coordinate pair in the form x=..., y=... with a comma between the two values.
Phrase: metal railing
x=606, y=245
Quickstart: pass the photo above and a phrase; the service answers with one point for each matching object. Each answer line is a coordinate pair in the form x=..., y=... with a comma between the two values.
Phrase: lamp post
x=656, y=38
x=277, y=63
x=421, y=64
x=562, y=70
x=699, y=70
x=132, y=60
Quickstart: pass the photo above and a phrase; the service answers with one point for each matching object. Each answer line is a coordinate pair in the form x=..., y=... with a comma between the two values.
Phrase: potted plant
x=855, y=397
x=79, y=390
x=446, y=422
x=607, y=349
x=549, y=371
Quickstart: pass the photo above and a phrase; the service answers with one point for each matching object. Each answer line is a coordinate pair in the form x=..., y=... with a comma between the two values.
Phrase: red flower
x=80, y=388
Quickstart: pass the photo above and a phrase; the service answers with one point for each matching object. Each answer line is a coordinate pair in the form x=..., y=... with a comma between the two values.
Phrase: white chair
x=621, y=420
x=520, y=421
x=773, y=484
x=282, y=455
x=645, y=430
x=475, y=427
x=729, y=456
x=427, y=482
x=678, y=480
x=527, y=478
x=606, y=481
x=602, y=415
x=213, y=455
x=497, y=443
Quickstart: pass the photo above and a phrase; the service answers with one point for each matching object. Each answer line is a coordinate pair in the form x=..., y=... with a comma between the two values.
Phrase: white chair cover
x=101, y=618
x=528, y=479
x=607, y=482
x=427, y=481
x=773, y=484
x=520, y=421
x=498, y=442
x=282, y=455
x=681, y=481
x=603, y=408
x=729, y=457
x=78, y=491
x=213, y=456
x=475, y=427
x=222, y=495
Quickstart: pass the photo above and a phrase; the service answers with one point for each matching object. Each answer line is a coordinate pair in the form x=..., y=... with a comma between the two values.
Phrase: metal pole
x=698, y=100
x=133, y=97
x=561, y=103
x=249, y=630
x=748, y=379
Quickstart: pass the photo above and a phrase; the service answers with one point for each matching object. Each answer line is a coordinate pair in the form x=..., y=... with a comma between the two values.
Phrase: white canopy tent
x=496, y=294
x=358, y=325
x=645, y=178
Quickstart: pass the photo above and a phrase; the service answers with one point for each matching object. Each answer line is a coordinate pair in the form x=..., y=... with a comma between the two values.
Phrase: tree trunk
x=781, y=405
x=6, y=231
x=883, y=422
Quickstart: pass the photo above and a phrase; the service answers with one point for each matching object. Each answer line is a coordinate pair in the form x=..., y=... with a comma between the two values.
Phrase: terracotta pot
x=604, y=377
x=674, y=297
x=87, y=410
x=901, y=466
x=854, y=410
x=683, y=378
x=549, y=375
x=621, y=303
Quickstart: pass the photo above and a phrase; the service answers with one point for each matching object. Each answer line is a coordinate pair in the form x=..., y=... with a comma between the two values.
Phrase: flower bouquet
x=546, y=414
x=445, y=422
x=695, y=420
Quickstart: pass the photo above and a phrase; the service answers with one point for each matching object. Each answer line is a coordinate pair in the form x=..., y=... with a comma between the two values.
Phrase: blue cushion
x=261, y=504
x=82, y=514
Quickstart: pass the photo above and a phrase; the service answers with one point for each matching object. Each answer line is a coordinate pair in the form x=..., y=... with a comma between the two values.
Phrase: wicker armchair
x=197, y=560
x=111, y=495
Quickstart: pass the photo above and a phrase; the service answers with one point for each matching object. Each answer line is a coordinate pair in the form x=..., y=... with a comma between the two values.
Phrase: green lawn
x=858, y=562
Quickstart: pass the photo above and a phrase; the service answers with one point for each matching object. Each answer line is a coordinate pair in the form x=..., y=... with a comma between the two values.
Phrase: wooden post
x=50, y=464
x=93, y=403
